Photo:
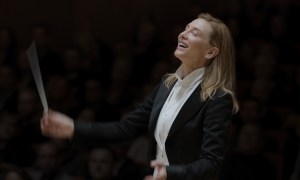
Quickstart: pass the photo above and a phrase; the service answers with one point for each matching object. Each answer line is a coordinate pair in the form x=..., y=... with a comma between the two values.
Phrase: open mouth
x=182, y=45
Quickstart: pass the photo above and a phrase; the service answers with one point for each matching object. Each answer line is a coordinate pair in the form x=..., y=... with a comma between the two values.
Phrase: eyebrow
x=193, y=27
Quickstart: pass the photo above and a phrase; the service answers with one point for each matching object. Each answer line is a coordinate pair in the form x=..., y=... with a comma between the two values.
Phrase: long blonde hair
x=220, y=74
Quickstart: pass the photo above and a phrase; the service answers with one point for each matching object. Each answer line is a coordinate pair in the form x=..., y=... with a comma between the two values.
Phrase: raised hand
x=57, y=125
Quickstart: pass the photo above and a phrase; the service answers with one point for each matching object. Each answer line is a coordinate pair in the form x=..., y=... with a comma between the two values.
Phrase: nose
x=182, y=35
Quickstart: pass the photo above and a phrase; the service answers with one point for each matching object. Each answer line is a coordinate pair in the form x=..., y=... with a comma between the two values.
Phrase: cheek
x=196, y=52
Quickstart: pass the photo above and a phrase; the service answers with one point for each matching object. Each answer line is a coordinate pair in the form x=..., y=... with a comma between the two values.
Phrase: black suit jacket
x=195, y=143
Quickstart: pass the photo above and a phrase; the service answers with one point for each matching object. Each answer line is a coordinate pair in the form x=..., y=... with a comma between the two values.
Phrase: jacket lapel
x=160, y=99
x=189, y=108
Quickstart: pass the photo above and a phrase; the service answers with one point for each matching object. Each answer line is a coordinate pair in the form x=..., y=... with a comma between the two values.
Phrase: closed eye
x=194, y=33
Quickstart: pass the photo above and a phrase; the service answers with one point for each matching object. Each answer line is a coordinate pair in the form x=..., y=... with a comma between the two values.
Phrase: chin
x=179, y=55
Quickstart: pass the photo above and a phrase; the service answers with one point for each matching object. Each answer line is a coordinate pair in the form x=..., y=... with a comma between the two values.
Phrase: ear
x=211, y=53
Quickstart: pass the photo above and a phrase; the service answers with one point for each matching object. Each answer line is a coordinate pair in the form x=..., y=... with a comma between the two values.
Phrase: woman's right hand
x=57, y=125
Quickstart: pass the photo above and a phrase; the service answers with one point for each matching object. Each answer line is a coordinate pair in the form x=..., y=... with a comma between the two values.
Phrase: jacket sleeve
x=215, y=125
x=130, y=126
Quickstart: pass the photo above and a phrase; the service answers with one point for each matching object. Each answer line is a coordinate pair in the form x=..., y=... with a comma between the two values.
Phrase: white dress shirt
x=177, y=97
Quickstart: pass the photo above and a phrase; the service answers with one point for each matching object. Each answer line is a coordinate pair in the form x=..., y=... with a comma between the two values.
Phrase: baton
x=35, y=68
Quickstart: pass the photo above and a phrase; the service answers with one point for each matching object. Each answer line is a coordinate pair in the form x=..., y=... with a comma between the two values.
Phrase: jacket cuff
x=80, y=130
x=175, y=172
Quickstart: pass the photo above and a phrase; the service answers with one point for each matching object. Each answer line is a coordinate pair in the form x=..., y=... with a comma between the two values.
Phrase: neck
x=187, y=70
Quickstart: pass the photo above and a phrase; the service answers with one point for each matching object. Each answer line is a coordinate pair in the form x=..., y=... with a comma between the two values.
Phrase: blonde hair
x=220, y=74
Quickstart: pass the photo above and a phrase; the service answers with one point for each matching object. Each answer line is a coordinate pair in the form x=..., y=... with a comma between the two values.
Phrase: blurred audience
x=93, y=80
x=247, y=161
x=46, y=165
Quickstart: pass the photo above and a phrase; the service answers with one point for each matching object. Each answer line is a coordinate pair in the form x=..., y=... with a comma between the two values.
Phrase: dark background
x=99, y=59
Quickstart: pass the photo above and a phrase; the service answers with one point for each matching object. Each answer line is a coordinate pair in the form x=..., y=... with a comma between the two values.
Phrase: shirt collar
x=191, y=79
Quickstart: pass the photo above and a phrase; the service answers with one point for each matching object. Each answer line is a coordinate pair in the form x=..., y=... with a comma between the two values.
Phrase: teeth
x=182, y=45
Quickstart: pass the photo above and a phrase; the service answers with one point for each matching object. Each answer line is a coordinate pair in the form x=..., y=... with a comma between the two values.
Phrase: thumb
x=45, y=121
x=159, y=170
x=157, y=166
x=155, y=163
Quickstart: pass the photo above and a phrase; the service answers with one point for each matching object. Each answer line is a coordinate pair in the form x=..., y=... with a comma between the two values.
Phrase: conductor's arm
x=58, y=125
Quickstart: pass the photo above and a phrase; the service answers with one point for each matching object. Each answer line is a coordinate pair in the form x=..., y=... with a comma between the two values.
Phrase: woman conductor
x=187, y=115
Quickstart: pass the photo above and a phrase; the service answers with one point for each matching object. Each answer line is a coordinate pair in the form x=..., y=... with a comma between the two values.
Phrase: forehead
x=201, y=25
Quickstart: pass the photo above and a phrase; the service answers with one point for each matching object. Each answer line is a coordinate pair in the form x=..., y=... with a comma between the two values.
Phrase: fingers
x=157, y=166
x=44, y=126
x=45, y=118
x=45, y=122
x=56, y=124
x=155, y=163
x=159, y=170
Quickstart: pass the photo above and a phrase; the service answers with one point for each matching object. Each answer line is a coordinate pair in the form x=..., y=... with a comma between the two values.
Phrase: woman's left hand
x=161, y=171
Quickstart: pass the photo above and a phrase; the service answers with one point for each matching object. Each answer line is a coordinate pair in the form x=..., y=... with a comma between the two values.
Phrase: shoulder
x=221, y=94
x=221, y=98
